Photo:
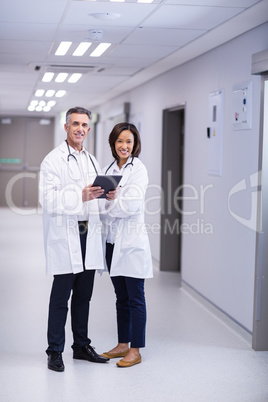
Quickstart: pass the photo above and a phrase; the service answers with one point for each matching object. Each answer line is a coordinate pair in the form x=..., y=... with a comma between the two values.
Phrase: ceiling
x=146, y=40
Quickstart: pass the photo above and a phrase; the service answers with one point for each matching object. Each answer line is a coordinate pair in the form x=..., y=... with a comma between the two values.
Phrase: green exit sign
x=10, y=160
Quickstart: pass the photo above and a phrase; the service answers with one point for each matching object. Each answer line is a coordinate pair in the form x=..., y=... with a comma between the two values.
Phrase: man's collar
x=72, y=150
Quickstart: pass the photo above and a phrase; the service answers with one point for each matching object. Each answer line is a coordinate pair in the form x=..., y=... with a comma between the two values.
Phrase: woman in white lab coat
x=128, y=254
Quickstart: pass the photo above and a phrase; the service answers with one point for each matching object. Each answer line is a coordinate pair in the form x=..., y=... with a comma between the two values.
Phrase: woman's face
x=124, y=146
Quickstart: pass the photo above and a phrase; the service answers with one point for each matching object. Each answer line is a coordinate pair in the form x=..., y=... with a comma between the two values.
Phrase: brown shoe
x=123, y=363
x=110, y=355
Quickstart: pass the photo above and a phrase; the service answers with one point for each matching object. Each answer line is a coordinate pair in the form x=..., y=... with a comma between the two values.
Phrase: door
x=24, y=142
x=260, y=320
x=172, y=184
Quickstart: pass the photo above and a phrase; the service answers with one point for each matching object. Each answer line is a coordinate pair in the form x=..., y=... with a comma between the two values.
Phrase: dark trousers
x=81, y=286
x=130, y=306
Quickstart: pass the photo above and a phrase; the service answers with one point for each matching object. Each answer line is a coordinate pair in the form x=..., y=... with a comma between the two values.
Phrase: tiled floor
x=191, y=356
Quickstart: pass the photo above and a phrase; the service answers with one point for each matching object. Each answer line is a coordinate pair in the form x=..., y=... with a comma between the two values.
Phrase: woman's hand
x=90, y=193
x=112, y=195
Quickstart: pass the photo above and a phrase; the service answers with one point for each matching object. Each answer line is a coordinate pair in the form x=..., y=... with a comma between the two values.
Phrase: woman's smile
x=124, y=146
x=123, y=151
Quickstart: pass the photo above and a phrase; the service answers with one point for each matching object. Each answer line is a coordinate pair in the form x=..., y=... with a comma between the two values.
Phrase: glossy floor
x=191, y=355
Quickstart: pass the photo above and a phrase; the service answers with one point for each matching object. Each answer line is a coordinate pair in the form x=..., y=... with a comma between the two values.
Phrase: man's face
x=77, y=129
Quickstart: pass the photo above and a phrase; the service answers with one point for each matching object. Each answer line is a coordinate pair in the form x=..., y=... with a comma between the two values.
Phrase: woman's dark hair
x=117, y=130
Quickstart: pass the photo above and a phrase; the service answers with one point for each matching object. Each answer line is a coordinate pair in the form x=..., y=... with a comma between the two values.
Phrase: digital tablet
x=108, y=183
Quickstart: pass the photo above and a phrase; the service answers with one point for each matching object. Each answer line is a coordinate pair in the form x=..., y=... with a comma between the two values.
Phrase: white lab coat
x=123, y=221
x=60, y=194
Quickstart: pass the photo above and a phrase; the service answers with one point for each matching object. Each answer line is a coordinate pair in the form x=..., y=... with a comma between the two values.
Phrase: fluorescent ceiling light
x=46, y=109
x=50, y=93
x=34, y=103
x=39, y=92
x=41, y=106
x=51, y=103
x=60, y=94
x=74, y=78
x=47, y=77
x=100, y=49
x=61, y=77
x=82, y=48
x=63, y=48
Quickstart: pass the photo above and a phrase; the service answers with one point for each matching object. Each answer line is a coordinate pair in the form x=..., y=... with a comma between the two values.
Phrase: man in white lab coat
x=72, y=237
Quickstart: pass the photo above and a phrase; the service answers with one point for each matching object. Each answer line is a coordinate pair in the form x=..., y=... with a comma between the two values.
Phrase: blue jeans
x=130, y=306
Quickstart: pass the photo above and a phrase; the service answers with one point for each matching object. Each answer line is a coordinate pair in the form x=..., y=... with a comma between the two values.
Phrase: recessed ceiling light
x=51, y=103
x=63, y=48
x=74, y=78
x=60, y=94
x=34, y=103
x=106, y=16
x=61, y=77
x=100, y=49
x=82, y=48
x=39, y=92
x=50, y=93
x=47, y=77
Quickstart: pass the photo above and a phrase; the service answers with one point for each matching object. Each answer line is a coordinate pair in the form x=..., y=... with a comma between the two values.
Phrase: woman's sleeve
x=131, y=196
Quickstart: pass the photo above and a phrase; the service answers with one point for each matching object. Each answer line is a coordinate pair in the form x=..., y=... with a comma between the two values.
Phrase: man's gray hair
x=79, y=110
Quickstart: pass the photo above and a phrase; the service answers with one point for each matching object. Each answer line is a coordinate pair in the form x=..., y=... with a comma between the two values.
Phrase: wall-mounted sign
x=242, y=106
x=215, y=133
x=10, y=160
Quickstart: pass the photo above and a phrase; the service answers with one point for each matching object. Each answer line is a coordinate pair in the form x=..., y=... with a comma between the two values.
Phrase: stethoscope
x=128, y=164
x=72, y=155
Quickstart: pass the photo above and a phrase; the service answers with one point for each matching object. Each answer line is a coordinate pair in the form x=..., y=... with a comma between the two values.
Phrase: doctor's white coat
x=123, y=221
x=60, y=194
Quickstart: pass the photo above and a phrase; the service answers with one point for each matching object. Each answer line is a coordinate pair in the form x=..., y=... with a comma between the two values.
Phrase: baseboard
x=218, y=313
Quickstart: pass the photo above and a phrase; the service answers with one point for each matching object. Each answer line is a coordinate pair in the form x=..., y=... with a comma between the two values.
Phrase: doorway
x=172, y=183
x=24, y=142
x=260, y=320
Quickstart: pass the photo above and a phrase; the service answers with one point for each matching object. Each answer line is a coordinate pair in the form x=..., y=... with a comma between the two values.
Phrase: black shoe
x=55, y=362
x=88, y=353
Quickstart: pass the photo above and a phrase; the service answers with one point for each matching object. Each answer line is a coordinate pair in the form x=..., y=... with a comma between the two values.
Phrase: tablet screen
x=108, y=183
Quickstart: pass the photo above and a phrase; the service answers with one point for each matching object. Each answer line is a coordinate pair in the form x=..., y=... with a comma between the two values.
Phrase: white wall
x=220, y=265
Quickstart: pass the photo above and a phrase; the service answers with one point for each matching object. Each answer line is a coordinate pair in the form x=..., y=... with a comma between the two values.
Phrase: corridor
x=191, y=355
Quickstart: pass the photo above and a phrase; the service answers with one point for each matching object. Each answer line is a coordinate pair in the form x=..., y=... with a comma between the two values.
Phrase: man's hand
x=112, y=195
x=90, y=193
